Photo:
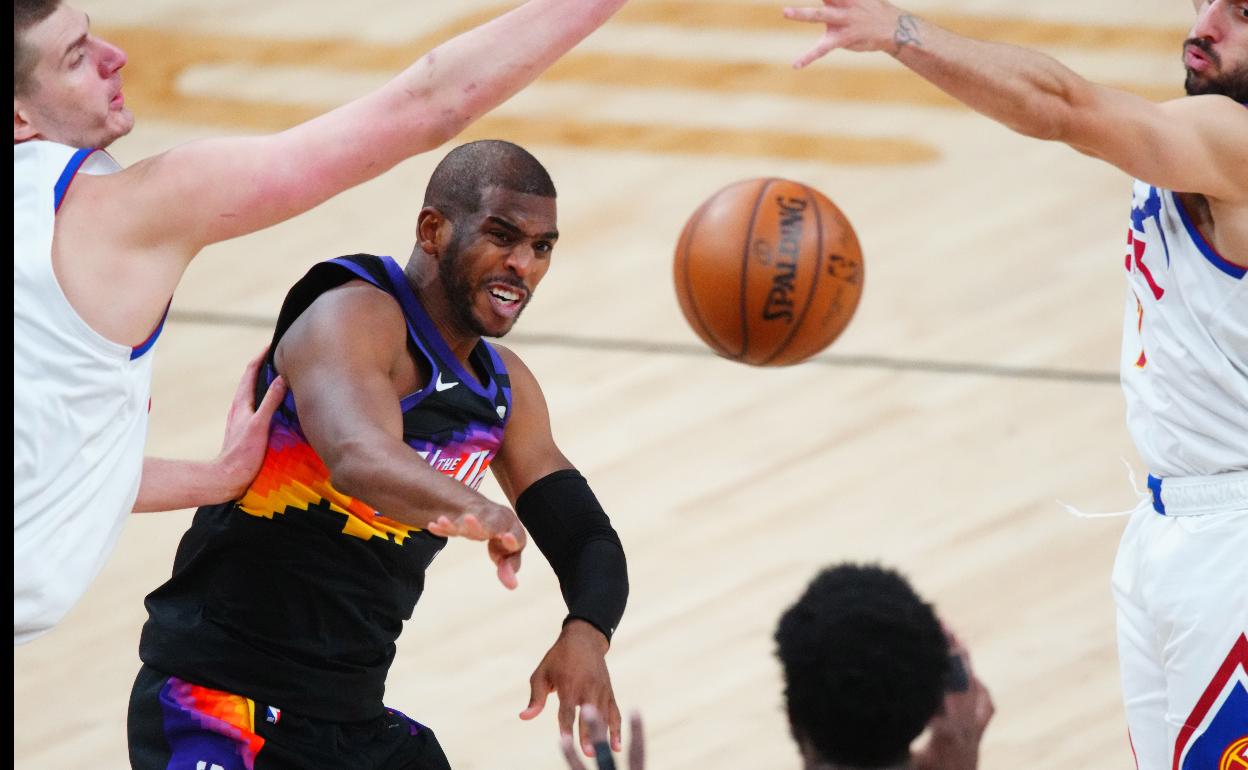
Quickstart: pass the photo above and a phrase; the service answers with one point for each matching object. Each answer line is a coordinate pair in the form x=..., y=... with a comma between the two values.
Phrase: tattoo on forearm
x=907, y=32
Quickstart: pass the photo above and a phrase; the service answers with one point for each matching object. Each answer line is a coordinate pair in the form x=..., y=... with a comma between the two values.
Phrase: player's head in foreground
x=484, y=237
x=1216, y=50
x=865, y=667
x=66, y=81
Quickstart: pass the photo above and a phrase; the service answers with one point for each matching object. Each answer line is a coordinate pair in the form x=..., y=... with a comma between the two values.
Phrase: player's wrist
x=582, y=631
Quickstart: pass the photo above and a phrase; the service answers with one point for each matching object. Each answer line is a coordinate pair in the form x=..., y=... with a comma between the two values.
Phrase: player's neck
x=428, y=288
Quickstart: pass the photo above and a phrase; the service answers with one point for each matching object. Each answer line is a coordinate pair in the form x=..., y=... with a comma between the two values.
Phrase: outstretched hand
x=576, y=669
x=494, y=523
x=957, y=728
x=602, y=751
x=856, y=25
x=247, y=429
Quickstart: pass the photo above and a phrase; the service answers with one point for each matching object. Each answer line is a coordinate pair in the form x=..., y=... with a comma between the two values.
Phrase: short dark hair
x=865, y=661
x=457, y=183
x=26, y=14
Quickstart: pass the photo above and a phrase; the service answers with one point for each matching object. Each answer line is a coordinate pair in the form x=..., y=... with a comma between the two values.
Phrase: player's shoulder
x=508, y=356
x=517, y=370
x=359, y=302
x=355, y=309
x=1210, y=107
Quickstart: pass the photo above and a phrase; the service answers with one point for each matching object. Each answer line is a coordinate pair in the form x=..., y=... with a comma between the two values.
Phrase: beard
x=1233, y=84
x=461, y=292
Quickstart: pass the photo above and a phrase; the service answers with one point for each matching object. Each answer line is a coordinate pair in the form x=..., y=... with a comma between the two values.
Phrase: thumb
x=539, y=690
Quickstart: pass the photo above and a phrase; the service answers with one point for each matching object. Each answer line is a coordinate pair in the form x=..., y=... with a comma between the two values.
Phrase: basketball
x=768, y=272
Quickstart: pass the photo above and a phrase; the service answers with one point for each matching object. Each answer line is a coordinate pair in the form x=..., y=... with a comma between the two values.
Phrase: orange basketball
x=768, y=272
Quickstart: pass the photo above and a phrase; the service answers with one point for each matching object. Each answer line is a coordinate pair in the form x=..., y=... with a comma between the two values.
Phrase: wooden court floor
x=975, y=388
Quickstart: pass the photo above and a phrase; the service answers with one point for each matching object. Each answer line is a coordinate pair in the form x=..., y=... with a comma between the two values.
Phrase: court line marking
x=693, y=350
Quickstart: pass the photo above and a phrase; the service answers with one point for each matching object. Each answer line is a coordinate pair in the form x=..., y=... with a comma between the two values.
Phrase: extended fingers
x=984, y=707
x=827, y=43
x=272, y=399
x=441, y=526
x=614, y=723
x=825, y=15
x=249, y=375
x=507, y=571
x=637, y=744
x=567, y=716
x=539, y=690
x=569, y=752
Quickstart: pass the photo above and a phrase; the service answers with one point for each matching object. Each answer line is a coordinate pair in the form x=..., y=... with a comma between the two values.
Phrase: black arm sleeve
x=576, y=537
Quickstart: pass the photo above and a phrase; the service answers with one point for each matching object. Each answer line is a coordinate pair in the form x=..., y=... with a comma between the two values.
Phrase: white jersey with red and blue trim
x=1185, y=343
x=80, y=406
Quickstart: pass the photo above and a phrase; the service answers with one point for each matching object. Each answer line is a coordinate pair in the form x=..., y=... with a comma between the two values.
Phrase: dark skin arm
x=575, y=666
x=346, y=361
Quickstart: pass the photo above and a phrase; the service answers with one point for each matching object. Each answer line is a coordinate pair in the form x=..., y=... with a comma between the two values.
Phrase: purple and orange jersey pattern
x=1215, y=735
x=293, y=477
x=199, y=721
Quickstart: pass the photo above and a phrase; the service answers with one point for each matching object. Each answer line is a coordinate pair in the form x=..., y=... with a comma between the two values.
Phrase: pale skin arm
x=347, y=364
x=575, y=666
x=1195, y=144
x=168, y=485
x=139, y=229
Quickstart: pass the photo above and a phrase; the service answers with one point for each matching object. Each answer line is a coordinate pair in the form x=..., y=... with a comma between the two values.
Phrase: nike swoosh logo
x=441, y=386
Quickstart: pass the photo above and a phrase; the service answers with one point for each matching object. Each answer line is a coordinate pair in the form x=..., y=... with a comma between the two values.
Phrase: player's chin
x=498, y=329
x=495, y=320
x=120, y=122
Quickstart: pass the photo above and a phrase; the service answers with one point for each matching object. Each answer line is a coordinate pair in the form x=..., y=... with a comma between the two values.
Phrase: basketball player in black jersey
x=270, y=644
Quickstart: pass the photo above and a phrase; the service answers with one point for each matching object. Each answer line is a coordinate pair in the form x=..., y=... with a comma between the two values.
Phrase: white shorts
x=1181, y=587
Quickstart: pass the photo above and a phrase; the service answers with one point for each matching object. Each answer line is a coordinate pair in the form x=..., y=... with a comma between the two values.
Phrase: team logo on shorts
x=1215, y=736
x=1236, y=756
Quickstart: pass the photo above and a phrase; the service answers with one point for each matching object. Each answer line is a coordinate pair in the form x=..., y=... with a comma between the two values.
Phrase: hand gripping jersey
x=294, y=594
x=1185, y=343
x=80, y=406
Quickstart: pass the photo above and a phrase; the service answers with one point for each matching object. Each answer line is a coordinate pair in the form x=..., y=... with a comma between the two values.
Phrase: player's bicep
x=529, y=451
x=212, y=190
x=1194, y=144
x=338, y=358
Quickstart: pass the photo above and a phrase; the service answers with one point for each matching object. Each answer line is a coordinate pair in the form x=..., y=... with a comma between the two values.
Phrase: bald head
x=458, y=182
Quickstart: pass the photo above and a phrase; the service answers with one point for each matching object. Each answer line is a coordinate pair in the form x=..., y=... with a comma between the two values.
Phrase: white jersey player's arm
x=1194, y=144
x=142, y=226
x=170, y=485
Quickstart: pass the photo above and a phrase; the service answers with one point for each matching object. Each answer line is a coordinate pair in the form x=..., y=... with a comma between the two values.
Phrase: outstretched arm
x=1195, y=144
x=347, y=364
x=570, y=528
x=133, y=233
x=169, y=485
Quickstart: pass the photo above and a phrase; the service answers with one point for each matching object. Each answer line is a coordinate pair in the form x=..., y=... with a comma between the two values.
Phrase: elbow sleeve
x=575, y=535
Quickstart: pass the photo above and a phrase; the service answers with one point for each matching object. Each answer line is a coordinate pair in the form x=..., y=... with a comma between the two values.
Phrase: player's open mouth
x=118, y=101
x=505, y=298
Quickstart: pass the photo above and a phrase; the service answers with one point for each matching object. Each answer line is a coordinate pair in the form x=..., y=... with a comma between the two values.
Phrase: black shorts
x=175, y=724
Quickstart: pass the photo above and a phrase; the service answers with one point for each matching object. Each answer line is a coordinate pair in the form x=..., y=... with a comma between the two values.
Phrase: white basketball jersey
x=1185, y=343
x=80, y=407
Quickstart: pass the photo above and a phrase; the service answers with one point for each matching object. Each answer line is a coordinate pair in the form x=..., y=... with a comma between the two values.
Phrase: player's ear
x=433, y=231
x=22, y=129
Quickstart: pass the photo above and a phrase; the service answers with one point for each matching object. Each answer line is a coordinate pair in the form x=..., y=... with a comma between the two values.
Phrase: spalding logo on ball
x=768, y=272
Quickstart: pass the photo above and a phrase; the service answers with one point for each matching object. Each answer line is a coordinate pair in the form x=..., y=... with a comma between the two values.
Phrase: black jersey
x=294, y=594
